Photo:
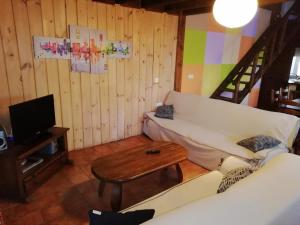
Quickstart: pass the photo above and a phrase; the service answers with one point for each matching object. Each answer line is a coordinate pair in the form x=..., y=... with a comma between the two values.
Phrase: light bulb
x=234, y=13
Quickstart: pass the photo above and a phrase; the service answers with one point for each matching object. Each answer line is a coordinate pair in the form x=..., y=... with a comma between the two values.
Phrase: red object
x=1, y=219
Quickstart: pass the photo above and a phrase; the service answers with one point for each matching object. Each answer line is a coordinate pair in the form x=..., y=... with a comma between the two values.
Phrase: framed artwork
x=98, y=56
x=80, y=49
x=118, y=49
x=51, y=48
x=88, y=49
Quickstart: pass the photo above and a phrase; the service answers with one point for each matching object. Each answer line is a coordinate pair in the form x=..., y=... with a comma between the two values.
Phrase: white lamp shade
x=234, y=13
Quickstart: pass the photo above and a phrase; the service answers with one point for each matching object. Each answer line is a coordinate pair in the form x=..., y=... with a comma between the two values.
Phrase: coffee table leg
x=116, y=197
x=101, y=188
x=164, y=172
x=179, y=173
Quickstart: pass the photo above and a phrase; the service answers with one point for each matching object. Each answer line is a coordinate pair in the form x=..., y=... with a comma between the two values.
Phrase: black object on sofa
x=114, y=218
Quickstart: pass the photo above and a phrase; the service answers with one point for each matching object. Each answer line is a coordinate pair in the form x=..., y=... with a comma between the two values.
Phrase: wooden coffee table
x=134, y=163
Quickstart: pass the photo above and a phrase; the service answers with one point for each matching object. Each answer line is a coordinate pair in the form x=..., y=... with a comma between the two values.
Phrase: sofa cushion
x=259, y=142
x=233, y=176
x=231, y=163
x=165, y=111
x=204, y=136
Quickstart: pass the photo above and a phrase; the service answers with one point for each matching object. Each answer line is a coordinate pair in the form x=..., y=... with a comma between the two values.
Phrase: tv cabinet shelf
x=48, y=160
x=14, y=183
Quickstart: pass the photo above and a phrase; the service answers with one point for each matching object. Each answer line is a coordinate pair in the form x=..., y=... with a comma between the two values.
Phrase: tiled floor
x=68, y=195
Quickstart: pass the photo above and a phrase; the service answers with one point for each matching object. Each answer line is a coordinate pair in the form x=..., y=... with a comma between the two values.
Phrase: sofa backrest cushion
x=233, y=119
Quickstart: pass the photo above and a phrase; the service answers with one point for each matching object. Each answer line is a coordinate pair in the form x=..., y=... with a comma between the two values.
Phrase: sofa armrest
x=181, y=194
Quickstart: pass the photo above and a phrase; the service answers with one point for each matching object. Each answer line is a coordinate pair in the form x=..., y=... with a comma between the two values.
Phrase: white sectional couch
x=209, y=129
x=269, y=196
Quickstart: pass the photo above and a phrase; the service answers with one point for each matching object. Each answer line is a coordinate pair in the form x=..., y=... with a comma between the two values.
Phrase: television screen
x=31, y=118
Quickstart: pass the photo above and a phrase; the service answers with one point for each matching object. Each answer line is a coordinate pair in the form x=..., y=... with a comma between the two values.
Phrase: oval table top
x=135, y=162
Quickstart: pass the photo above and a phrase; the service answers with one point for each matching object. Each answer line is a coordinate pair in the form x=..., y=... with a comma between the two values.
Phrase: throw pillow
x=232, y=177
x=259, y=142
x=114, y=218
x=165, y=111
x=232, y=162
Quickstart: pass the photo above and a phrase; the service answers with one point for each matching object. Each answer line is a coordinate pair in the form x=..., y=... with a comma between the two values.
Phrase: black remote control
x=152, y=151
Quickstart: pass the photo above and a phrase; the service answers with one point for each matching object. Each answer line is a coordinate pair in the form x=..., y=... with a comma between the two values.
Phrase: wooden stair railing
x=259, y=58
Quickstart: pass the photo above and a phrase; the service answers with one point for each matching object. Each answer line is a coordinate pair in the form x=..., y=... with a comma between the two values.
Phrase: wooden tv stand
x=16, y=184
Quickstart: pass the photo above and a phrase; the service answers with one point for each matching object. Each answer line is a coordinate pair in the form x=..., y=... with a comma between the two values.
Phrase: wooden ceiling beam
x=159, y=3
x=188, y=5
x=128, y=3
x=270, y=2
x=106, y=1
x=195, y=11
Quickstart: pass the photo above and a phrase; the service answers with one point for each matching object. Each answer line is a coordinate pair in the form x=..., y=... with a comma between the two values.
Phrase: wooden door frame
x=179, y=51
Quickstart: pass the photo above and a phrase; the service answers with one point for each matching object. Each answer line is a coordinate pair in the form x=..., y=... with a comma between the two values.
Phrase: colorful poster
x=118, y=49
x=80, y=55
x=51, y=48
x=98, y=57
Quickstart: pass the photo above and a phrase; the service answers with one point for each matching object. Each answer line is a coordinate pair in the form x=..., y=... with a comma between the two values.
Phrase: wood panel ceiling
x=186, y=7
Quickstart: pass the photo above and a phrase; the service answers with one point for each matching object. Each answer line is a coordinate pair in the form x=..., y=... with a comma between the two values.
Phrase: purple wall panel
x=214, y=47
x=251, y=28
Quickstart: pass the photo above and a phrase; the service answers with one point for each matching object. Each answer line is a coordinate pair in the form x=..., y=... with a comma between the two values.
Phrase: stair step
x=259, y=65
x=226, y=94
x=225, y=99
x=256, y=65
x=232, y=85
x=229, y=90
x=293, y=17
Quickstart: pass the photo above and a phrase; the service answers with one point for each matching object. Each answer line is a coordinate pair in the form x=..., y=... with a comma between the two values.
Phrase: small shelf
x=47, y=161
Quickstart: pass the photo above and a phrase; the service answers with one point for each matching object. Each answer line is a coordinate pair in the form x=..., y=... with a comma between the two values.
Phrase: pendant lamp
x=234, y=13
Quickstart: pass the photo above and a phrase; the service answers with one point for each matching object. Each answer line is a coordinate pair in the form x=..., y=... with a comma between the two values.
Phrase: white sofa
x=209, y=129
x=269, y=196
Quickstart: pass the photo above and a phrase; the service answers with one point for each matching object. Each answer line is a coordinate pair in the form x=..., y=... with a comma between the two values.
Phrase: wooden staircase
x=260, y=57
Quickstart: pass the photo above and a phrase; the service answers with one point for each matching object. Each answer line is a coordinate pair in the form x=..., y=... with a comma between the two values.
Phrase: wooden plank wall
x=96, y=108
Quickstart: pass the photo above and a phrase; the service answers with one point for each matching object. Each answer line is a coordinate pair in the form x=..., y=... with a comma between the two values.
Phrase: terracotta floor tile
x=67, y=196
x=128, y=143
x=5, y=203
x=102, y=150
x=86, y=170
x=90, y=186
x=78, y=178
x=53, y=212
x=68, y=220
x=23, y=209
x=33, y=218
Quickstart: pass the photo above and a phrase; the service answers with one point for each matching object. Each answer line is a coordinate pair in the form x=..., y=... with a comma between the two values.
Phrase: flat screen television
x=32, y=118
